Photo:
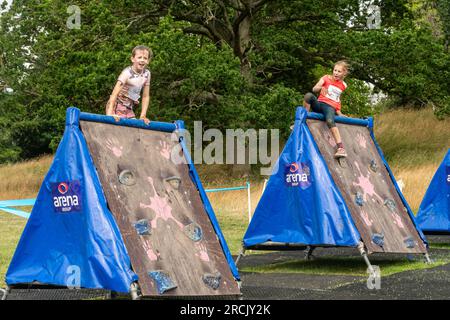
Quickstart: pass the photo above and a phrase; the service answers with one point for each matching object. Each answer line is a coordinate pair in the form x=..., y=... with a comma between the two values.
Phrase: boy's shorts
x=124, y=112
x=321, y=107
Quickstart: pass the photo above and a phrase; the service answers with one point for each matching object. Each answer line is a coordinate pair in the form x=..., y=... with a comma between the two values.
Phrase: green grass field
x=354, y=266
x=11, y=228
x=440, y=245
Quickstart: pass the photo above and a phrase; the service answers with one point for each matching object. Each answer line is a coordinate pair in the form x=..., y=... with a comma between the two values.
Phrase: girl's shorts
x=124, y=111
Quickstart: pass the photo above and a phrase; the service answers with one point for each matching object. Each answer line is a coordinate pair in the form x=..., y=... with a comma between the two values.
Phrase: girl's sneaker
x=340, y=153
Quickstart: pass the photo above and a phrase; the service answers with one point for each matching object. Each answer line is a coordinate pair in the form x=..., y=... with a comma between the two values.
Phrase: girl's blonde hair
x=143, y=48
x=344, y=64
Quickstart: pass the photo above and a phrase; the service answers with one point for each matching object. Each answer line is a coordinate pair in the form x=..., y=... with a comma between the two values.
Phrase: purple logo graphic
x=66, y=196
x=297, y=174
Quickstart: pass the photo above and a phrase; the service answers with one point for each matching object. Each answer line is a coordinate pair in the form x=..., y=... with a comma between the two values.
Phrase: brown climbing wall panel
x=170, y=240
x=376, y=208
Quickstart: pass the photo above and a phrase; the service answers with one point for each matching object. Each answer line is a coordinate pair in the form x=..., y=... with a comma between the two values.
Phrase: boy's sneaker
x=340, y=153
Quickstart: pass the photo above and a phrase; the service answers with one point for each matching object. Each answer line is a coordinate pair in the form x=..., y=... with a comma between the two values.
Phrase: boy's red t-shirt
x=335, y=89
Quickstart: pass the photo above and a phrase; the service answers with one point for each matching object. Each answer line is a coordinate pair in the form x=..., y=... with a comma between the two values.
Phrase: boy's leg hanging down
x=337, y=136
x=310, y=101
x=330, y=115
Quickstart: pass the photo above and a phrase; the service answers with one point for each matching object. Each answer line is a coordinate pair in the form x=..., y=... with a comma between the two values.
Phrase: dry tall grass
x=414, y=143
x=411, y=138
x=417, y=180
x=23, y=180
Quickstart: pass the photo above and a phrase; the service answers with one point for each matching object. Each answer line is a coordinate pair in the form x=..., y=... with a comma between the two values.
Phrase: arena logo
x=66, y=196
x=297, y=174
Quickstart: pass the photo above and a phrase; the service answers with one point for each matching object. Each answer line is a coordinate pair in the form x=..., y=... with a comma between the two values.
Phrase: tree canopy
x=229, y=63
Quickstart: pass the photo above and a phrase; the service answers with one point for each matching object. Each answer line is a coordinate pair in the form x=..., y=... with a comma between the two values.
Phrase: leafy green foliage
x=228, y=63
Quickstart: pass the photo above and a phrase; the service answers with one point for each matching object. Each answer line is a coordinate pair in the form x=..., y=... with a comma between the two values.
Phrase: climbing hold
x=359, y=199
x=174, y=181
x=378, y=239
x=390, y=204
x=126, y=177
x=410, y=243
x=193, y=231
x=142, y=227
x=212, y=279
x=163, y=281
x=342, y=162
x=373, y=166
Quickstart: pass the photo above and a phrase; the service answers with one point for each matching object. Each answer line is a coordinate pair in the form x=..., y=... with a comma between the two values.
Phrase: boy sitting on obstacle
x=330, y=88
x=129, y=85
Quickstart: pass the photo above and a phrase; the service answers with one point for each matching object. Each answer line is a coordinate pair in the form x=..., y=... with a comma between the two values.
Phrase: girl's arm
x=145, y=103
x=318, y=86
x=113, y=98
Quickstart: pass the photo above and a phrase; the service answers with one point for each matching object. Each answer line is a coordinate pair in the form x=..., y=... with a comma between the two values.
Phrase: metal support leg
x=363, y=253
x=309, y=251
x=239, y=283
x=4, y=292
x=135, y=291
x=241, y=254
x=427, y=258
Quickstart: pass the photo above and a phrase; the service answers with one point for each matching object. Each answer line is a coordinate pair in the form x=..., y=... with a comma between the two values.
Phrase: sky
x=9, y=4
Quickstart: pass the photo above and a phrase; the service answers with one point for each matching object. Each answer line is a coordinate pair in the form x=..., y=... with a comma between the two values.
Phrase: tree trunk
x=242, y=47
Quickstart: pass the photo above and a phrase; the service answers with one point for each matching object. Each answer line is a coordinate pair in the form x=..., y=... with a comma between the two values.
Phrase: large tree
x=230, y=63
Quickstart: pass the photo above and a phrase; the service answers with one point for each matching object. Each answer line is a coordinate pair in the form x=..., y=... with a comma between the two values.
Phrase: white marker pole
x=264, y=187
x=249, y=203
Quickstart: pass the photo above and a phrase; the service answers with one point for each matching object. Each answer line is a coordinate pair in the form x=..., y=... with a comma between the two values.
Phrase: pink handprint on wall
x=161, y=207
x=365, y=184
x=366, y=219
x=361, y=140
x=111, y=144
x=201, y=252
x=164, y=149
x=398, y=220
x=149, y=251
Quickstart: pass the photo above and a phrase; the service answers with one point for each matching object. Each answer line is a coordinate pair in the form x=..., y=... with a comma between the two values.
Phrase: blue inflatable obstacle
x=116, y=212
x=314, y=200
x=434, y=211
